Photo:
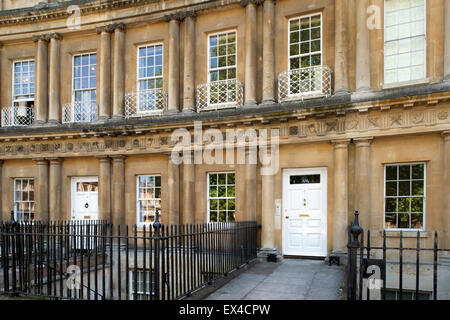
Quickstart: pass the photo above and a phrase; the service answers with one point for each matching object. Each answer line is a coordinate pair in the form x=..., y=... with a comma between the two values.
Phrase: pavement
x=290, y=279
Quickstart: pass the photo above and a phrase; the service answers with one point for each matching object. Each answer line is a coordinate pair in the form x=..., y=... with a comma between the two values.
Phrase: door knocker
x=86, y=205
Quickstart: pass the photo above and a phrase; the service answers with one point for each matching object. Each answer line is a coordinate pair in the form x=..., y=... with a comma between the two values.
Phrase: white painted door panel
x=304, y=227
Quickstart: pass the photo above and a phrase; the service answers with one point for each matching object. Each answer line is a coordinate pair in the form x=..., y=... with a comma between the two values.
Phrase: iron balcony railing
x=17, y=116
x=145, y=103
x=304, y=83
x=80, y=111
x=221, y=94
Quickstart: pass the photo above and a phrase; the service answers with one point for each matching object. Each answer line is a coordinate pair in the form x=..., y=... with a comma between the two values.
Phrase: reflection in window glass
x=85, y=77
x=404, y=40
x=221, y=197
x=24, y=205
x=23, y=81
x=150, y=76
x=305, y=179
x=222, y=66
x=148, y=198
x=305, y=52
x=142, y=286
x=404, y=201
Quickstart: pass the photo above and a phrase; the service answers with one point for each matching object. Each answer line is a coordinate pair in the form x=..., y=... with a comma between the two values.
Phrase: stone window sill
x=406, y=83
x=407, y=234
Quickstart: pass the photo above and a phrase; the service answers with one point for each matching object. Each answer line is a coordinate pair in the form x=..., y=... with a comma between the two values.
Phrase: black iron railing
x=380, y=272
x=95, y=260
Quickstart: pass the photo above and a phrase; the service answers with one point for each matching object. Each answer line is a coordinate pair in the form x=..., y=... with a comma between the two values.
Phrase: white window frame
x=73, y=74
x=138, y=222
x=208, y=198
x=16, y=201
x=147, y=289
x=218, y=105
x=138, y=89
x=424, y=196
x=14, y=100
x=304, y=55
x=388, y=84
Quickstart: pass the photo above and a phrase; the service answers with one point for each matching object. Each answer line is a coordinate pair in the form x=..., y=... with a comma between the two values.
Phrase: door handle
x=287, y=217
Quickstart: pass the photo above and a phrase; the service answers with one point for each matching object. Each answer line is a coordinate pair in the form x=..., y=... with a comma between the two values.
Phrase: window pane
x=221, y=199
x=391, y=189
x=391, y=220
x=404, y=37
x=391, y=205
x=417, y=220
x=418, y=171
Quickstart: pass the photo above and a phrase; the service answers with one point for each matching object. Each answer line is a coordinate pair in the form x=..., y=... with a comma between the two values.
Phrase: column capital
x=363, y=142
x=109, y=28
x=55, y=160
x=177, y=16
x=55, y=35
x=41, y=37
x=341, y=143
x=103, y=157
x=446, y=135
x=244, y=3
x=118, y=157
x=40, y=161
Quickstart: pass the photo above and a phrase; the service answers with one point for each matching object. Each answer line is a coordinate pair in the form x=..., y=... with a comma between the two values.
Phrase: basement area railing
x=94, y=260
x=399, y=267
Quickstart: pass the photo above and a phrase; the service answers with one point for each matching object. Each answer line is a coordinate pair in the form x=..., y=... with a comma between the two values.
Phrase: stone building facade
x=358, y=91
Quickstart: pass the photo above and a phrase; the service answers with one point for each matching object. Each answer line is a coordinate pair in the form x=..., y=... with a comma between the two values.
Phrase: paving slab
x=290, y=279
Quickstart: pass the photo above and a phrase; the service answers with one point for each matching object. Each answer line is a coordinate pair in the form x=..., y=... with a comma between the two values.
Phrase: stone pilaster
x=104, y=188
x=268, y=212
x=55, y=191
x=105, y=72
x=362, y=47
x=447, y=41
x=189, y=192
x=42, y=190
x=251, y=188
x=269, y=52
x=250, y=51
x=174, y=62
x=363, y=182
x=119, y=71
x=173, y=192
x=340, y=201
x=54, y=79
x=446, y=190
x=41, y=99
x=341, y=47
x=2, y=217
x=189, y=63
x=118, y=190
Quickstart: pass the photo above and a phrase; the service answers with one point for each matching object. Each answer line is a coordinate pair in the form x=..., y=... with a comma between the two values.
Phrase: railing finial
x=156, y=223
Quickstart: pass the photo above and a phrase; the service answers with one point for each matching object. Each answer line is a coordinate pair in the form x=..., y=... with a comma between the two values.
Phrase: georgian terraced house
x=92, y=90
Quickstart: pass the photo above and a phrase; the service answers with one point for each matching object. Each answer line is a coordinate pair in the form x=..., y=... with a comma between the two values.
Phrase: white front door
x=85, y=198
x=305, y=212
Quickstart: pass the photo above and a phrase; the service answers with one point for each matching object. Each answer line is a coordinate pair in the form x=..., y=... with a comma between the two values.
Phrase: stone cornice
x=60, y=10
